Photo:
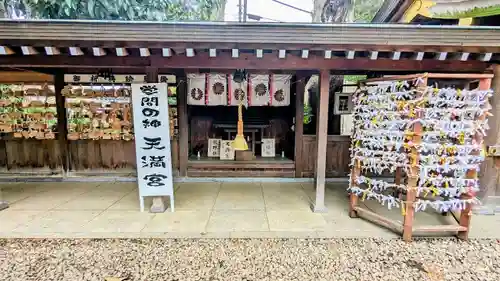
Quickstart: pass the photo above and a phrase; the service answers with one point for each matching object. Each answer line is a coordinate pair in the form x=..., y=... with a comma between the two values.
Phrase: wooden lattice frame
x=407, y=228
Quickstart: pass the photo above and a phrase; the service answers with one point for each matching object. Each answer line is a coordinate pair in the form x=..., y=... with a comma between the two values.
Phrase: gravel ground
x=249, y=259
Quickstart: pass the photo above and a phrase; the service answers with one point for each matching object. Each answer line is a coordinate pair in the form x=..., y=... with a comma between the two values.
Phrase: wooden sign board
x=226, y=150
x=214, y=147
x=152, y=141
x=343, y=103
x=268, y=148
x=118, y=79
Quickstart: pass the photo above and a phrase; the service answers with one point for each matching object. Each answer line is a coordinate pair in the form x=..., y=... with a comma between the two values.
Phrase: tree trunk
x=317, y=9
x=332, y=11
x=221, y=10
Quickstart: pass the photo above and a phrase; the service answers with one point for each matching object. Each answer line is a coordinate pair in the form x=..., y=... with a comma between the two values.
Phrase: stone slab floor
x=211, y=210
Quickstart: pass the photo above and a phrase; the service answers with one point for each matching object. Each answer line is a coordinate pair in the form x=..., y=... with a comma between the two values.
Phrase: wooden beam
x=235, y=53
x=396, y=55
x=212, y=53
x=245, y=61
x=419, y=56
x=6, y=50
x=75, y=51
x=16, y=77
x=464, y=56
x=305, y=54
x=441, y=55
x=395, y=226
x=182, y=115
x=328, y=54
x=350, y=55
x=300, y=87
x=144, y=52
x=460, y=75
x=321, y=45
x=121, y=52
x=98, y=52
x=190, y=52
x=485, y=57
x=28, y=50
x=373, y=55
x=51, y=51
x=259, y=53
x=321, y=140
x=166, y=52
x=282, y=54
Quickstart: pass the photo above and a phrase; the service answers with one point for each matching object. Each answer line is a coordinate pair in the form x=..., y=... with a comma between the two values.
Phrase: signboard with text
x=152, y=141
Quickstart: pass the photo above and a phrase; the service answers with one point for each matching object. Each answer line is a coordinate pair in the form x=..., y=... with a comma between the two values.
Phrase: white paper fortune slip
x=152, y=141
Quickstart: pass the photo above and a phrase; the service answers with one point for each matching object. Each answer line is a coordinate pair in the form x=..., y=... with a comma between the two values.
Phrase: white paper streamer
x=384, y=117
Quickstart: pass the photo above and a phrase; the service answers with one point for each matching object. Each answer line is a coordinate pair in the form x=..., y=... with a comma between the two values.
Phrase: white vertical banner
x=152, y=141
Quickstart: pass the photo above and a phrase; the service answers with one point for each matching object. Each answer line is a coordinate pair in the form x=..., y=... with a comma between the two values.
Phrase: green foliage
x=365, y=10
x=307, y=114
x=353, y=79
x=153, y=10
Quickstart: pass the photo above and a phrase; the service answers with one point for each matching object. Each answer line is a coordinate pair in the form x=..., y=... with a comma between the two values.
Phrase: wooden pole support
x=353, y=198
x=411, y=192
x=299, y=122
x=466, y=214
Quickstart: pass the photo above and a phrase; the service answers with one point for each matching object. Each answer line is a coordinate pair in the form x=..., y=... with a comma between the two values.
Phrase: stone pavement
x=221, y=210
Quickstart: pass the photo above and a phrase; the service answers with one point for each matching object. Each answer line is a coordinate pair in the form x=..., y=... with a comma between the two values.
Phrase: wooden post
x=397, y=181
x=3, y=203
x=411, y=192
x=489, y=171
x=321, y=140
x=182, y=116
x=300, y=86
x=152, y=75
x=62, y=121
x=353, y=198
x=466, y=214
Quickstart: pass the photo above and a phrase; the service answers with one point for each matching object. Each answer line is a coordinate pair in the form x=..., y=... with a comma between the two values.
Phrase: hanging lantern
x=239, y=142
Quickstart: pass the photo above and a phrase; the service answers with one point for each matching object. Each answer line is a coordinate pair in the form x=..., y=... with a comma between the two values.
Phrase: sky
x=272, y=10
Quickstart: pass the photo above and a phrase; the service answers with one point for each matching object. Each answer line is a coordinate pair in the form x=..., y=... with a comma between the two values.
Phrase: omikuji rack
x=407, y=196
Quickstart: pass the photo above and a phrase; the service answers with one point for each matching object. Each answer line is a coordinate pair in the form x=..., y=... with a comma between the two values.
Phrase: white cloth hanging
x=279, y=89
x=237, y=92
x=259, y=90
x=217, y=89
x=196, y=89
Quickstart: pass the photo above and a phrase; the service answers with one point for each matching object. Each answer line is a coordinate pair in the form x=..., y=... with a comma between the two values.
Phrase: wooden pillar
x=489, y=176
x=300, y=86
x=413, y=176
x=62, y=121
x=321, y=140
x=466, y=214
x=182, y=116
x=152, y=75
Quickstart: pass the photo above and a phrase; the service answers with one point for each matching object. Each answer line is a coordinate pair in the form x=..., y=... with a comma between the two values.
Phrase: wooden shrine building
x=81, y=57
